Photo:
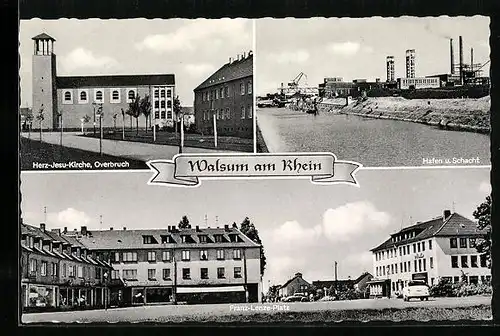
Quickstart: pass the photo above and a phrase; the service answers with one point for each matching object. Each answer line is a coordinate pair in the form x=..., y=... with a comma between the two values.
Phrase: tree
x=145, y=107
x=184, y=223
x=29, y=120
x=483, y=215
x=249, y=230
x=40, y=117
x=177, y=111
x=86, y=119
x=134, y=110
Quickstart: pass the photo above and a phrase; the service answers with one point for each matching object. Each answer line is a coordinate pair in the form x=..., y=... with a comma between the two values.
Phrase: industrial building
x=66, y=101
x=227, y=95
x=440, y=248
x=390, y=69
x=410, y=63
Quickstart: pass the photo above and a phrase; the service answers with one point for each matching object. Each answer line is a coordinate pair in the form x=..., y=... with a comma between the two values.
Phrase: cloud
x=485, y=187
x=70, y=218
x=299, y=56
x=199, y=69
x=292, y=233
x=196, y=34
x=348, y=48
x=83, y=58
x=352, y=219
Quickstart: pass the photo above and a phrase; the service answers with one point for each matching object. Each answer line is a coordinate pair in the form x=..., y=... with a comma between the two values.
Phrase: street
x=125, y=149
x=242, y=312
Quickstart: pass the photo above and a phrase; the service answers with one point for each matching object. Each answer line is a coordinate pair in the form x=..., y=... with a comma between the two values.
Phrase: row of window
x=464, y=261
x=166, y=256
x=131, y=274
x=223, y=92
x=419, y=265
x=161, y=104
x=187, y=239
x=403, y=250
x=83, y=96
x=72, y=271
x=221, y=114
x=462, y=242
x=411, y=81
x=163, y=115
x=160, y=93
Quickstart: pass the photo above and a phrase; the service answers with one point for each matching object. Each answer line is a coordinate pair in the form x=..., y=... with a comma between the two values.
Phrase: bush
x=465, y=289
x=442, y=289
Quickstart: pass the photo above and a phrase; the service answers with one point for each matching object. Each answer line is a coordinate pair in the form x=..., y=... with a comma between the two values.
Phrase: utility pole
x=215, y=130
x=336, y=277
x=181, y=145
x=45, y=214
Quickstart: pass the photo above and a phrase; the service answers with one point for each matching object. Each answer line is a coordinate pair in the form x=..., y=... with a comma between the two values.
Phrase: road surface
x=126, y=149
x=178, y=313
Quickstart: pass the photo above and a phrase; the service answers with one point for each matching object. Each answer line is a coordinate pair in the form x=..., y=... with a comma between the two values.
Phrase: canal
x=371, y=142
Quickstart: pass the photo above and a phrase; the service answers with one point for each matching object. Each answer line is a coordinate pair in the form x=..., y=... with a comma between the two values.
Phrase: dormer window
x=184, y=239
x=203, y=239
x=167, y=240
x=218, y=238
x=149, y=240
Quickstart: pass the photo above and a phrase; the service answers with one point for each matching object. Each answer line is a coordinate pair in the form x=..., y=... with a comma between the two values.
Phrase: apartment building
x=195, y=265
x=59, y=272
x=227, y=96
x=443, y=247
x=294, y=285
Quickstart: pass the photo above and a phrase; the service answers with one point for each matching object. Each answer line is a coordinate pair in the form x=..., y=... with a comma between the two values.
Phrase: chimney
x=230, y=60
x=169, y=228
x=57, y=231
x=250, y=53
x=452, y=59
x=472, y=59
x=461, y=57
x=298, y=275
x=244, y=55
x=226, y=227
x=83, y=230
x=111, y=229
x=42, y=227
x=124, y=228
x=235, y=226
x=446, y=214
x=65, y=230
x=198, y=228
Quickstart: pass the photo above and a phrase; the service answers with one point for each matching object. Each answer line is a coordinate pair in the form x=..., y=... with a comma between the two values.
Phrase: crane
x=295, y=82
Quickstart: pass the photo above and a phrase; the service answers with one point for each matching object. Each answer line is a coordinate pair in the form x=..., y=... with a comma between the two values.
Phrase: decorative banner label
x=186, y=169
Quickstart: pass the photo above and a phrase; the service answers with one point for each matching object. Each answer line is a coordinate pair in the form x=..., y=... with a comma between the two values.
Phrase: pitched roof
x=290, y=280
x=454, y=225
x=43, y=36
x=228, y=72
x=114, y=80
x=133, y=239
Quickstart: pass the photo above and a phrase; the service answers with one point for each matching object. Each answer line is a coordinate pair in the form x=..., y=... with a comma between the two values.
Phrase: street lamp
x=105, y=289
x=94, y=106
x=100, y=116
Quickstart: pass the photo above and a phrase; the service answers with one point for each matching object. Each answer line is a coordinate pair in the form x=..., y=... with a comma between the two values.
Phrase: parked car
x=297, y=297
x=417, y=290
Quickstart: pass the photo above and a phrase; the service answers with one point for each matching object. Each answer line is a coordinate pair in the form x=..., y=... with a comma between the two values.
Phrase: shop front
x=379, y=288
x=41, y=296
x=210, y=295
x=420, y=277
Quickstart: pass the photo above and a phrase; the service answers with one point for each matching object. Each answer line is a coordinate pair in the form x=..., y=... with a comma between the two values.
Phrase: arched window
x=67, y=96
x=83, y=96
x=98, y=95
x=116, y=95
x=131, y=95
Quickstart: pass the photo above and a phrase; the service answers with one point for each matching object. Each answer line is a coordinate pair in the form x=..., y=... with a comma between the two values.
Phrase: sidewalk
x=125, y=149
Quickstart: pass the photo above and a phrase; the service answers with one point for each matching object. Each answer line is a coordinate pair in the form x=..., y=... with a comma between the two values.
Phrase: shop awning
x=181, y=290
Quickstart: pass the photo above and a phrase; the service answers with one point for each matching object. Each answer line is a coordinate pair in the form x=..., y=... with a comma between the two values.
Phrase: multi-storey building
x=227, y=96
x=443, y=247
x=180, y=265
x=410, y=63
x=294, y=285
x=66, y=101
x=58, y=271
x=390, y=69
x=418, y=83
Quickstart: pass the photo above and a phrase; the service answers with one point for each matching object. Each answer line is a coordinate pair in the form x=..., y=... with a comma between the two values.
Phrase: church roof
x=114, y=80
x=43, y=36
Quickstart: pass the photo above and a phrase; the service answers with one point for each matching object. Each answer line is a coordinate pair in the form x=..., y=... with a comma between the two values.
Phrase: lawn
x=234, y=144
x=36, y=155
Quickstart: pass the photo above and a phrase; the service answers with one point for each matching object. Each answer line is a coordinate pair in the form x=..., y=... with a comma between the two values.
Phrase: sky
x=304, y=227
x=190, y=49
x=357, y=48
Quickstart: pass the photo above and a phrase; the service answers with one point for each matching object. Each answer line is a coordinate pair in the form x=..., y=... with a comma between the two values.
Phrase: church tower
x=44, y=82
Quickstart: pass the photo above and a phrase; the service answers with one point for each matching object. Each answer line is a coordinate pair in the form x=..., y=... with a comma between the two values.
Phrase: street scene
x=380, y=91
x=316, y=256
x=143, y=90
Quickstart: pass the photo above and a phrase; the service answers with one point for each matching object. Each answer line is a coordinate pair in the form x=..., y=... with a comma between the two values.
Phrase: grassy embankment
x=455, y=114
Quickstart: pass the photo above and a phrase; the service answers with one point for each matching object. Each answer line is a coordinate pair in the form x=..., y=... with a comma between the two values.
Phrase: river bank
x=470, y=115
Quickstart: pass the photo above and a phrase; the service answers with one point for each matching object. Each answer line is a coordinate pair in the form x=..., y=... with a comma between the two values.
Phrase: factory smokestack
x=472, y=59
x=452, y=59
x=461, y=58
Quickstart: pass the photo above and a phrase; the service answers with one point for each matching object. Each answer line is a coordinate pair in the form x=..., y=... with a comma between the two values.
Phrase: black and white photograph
x=102, y=247
x=384, y=92
x=113, y=94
